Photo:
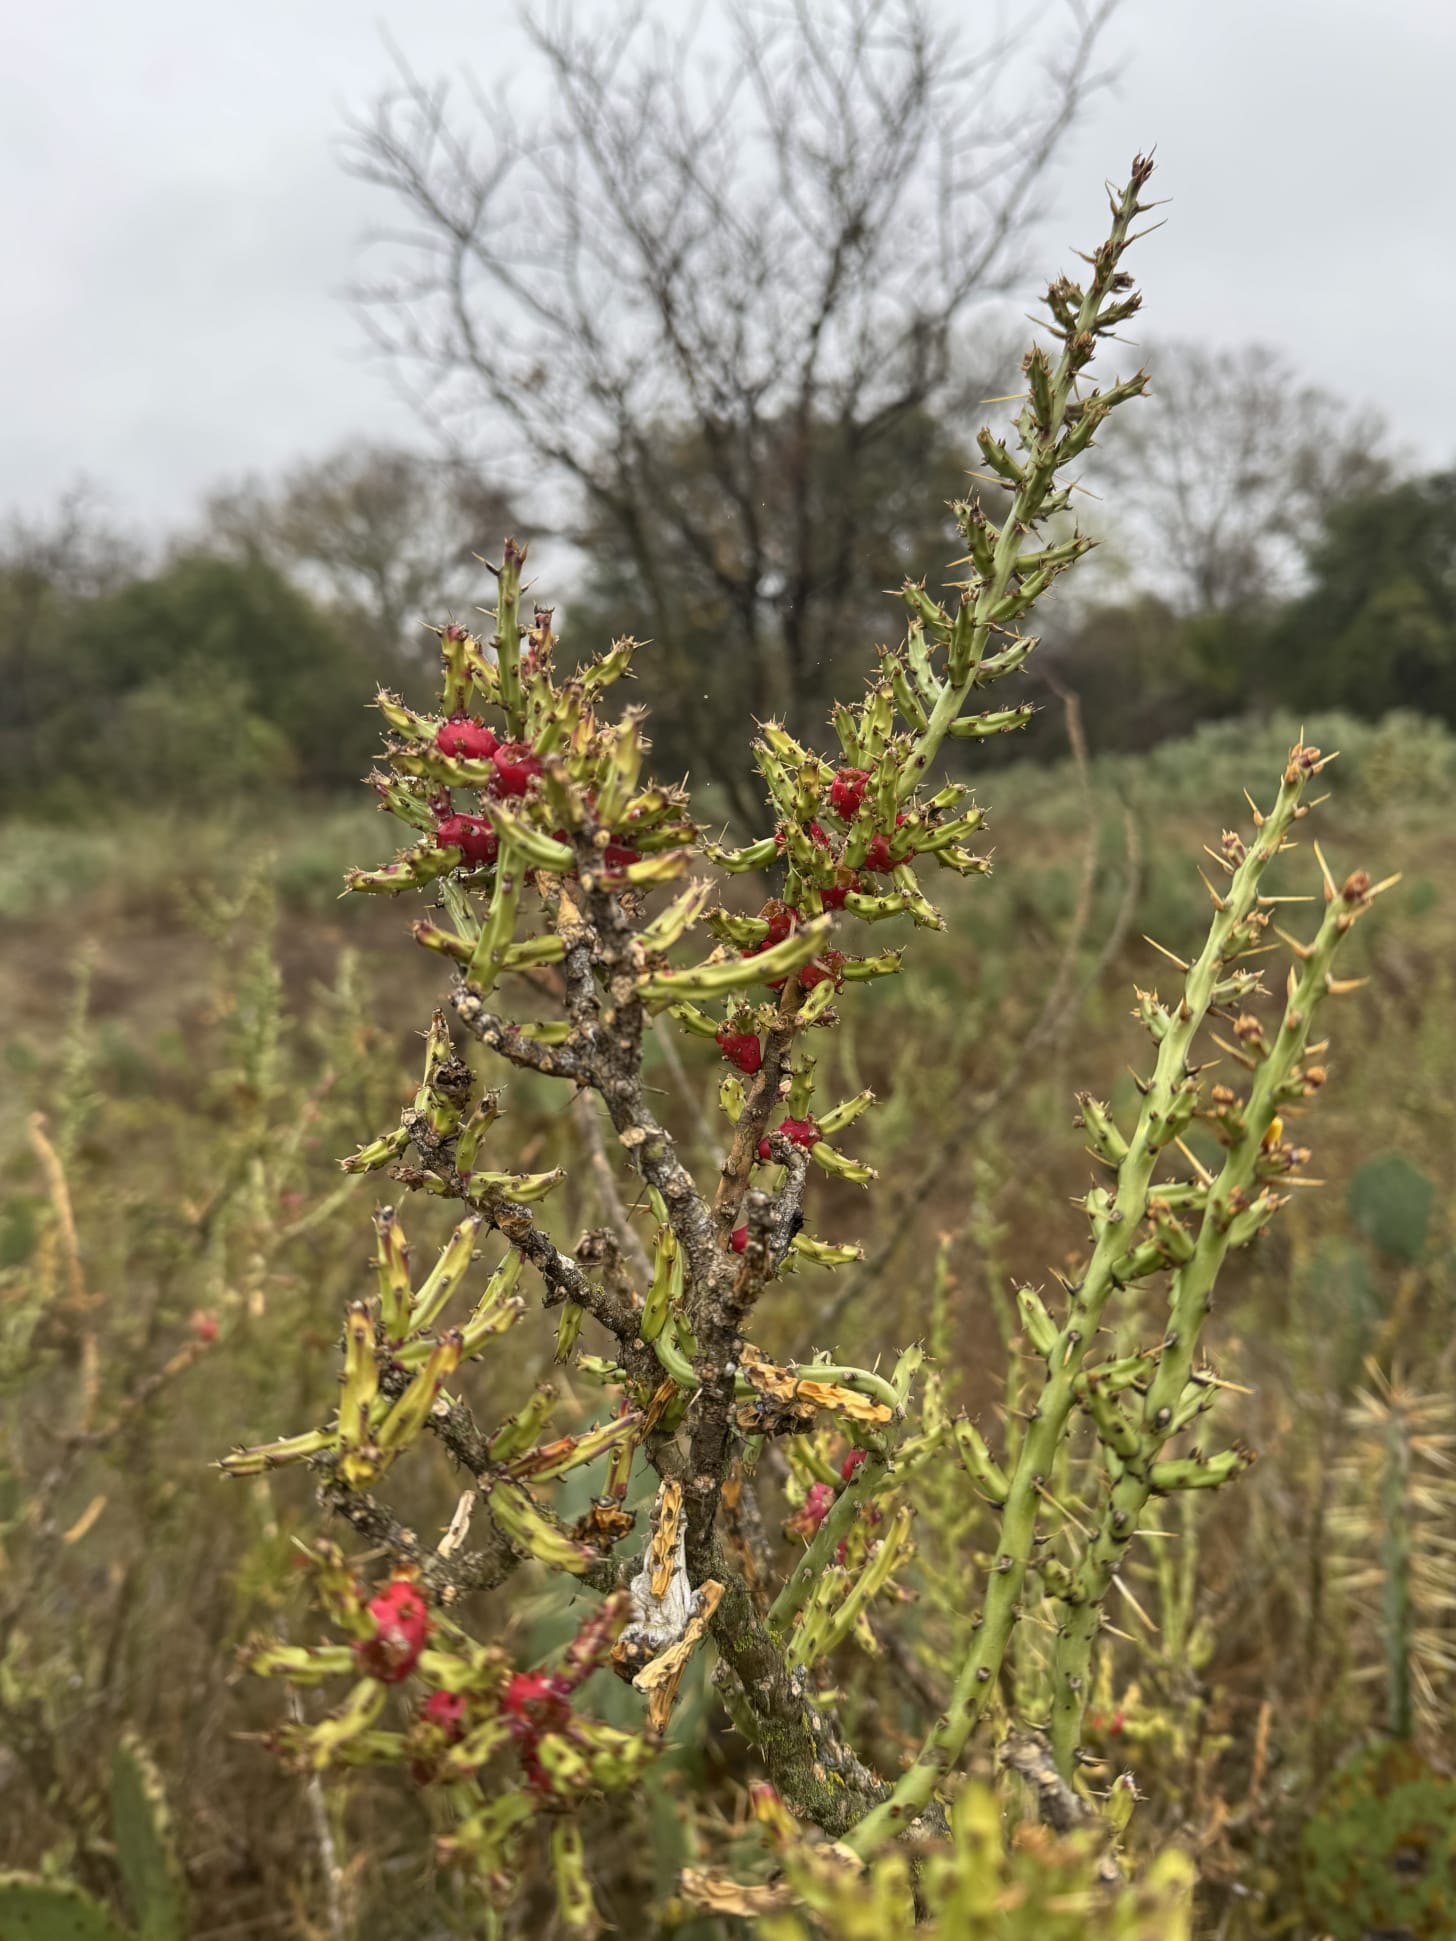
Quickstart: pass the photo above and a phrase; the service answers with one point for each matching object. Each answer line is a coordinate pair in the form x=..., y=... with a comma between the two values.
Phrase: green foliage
x=209, y=673
x=1377, y=629
x=33, y=1909
x=1390, y=1202
x=1044, y=1888
x=1380, y=1852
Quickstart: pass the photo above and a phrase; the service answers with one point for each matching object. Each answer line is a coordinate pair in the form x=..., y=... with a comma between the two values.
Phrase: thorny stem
x=977, y=1674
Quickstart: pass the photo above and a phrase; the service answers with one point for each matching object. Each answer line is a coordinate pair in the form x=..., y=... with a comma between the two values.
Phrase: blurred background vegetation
x=193, y=1029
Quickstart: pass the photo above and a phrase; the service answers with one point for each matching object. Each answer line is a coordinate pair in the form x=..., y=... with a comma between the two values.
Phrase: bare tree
x=1230, y=471
x=390, y=538
x=770, y=254
x=76, y=551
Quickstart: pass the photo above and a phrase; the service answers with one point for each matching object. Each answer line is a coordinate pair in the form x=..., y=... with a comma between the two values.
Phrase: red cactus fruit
x=833, y=897
x=617, y=855
x=536, y=1702
x=849, y=1468
x=516, y=767
x=463, y=735
x=846, y=792
x=740, y=1048
x=204, y=1326
x=738, y=1239
x=878, y=856
x=781, y=918
x=472, y=835
x=827, y=968
x=447, y=1711
x=799, y=1132
x=811, y=1512
x=401, y=1630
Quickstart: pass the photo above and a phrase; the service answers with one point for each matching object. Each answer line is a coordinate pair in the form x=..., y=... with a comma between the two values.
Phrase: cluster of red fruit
x=517, y=765
x=517, y=768
x=536, y=1702
x=846, y=794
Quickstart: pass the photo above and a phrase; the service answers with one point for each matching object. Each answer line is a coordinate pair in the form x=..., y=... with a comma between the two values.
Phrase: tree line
x=725, y=319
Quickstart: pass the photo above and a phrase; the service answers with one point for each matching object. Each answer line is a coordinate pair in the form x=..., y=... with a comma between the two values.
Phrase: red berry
x=878, y=856
x=536, y=1698
x=472, y=835
x=204, y=1326
x=846, y=792
x=827, y=967
x=738, y=1239
x=841, y=1552
x=799, y=1132
x=781, y=918
x=461, y=735
x=516, y=767
x=447, y=1711
x=741, y=1048
x=617, y=855
x=401, y=1629
x=850, y=1466
x=806, y=1519
x=833, y=897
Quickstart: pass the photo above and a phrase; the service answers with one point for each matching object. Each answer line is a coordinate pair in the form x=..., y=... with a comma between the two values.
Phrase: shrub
x=578, y=902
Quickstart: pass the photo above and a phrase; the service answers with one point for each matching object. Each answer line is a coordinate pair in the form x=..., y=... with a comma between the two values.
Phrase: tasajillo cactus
x=36, y=1908
x=542, y=848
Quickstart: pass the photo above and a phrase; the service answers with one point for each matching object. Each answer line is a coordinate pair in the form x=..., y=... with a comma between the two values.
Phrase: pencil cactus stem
x=1124, y=1211
x=987, y=605
x=868, y=1480
x=507, y=640
x=1189, y=1301
x=1395, y=1590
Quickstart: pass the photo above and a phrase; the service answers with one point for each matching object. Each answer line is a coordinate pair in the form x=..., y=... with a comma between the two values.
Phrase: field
x=194, y=1029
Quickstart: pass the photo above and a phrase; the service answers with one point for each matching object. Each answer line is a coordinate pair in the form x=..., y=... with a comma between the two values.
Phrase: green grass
x=237, y=1042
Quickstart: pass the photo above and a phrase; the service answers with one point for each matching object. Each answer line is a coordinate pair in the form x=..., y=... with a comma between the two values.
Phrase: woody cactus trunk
x=542, y=849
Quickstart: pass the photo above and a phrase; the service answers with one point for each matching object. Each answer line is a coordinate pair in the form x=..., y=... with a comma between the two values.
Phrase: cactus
x=35, y=1909
x=146, y=1852
x=1046, y=1888
x=1390, y=1201
x=1380, y=1854
x=1396, y=1501
x=556, y=872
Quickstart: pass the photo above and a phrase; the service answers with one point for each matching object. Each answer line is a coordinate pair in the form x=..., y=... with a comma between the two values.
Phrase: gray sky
x=178, y=228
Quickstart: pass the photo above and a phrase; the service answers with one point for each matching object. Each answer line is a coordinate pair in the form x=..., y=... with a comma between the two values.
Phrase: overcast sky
x=178, y=230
